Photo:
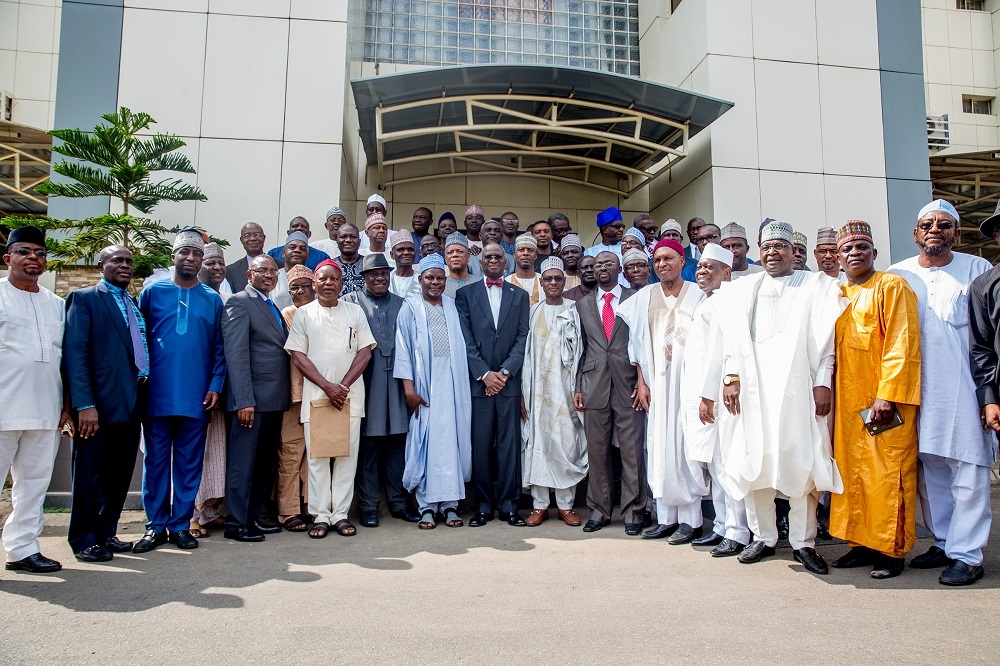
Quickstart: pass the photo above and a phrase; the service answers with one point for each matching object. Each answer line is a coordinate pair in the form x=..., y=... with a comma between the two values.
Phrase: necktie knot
x=608, y=297
x=491, y=282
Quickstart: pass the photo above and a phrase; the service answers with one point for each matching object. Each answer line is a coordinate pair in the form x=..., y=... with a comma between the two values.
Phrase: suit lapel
x=590, y=310
x=115, y=313
x=484, y=302
x=506, y=298
x=265, y=309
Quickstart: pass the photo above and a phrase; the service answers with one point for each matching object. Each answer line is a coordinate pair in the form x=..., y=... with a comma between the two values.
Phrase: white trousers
x=761, y=516
x=955, y=502
x=689, y=514
x=29, y=456
x=730, y=513
x=331, y=480
x=436, y=507
x=564, y=497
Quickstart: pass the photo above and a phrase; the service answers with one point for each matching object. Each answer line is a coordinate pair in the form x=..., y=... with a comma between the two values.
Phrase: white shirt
x=327, y=245
x=599, y=295
x=494, y=294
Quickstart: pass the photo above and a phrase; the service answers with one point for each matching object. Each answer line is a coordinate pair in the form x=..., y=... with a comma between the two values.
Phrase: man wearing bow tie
x=494, y=316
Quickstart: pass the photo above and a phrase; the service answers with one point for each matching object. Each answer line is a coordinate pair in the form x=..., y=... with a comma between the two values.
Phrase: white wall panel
x=734, y=135
x=729, y=28
x=310, y=181
x=796, y=198
x=851, y=107
x=33, y=76
x=35, y=29
x=788, y=114
x=853, y=198
x=737, y=199
x=314, y=98
x=847, y=33
x=172, y=5
x=784, y=30
x=319, y=10
x=272, y=8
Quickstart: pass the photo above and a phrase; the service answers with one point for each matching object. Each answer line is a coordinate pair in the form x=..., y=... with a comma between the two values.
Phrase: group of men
x=517, y=361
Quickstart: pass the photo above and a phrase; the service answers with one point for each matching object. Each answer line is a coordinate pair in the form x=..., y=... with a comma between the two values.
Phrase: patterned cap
x=401, y=236
x=670, y=225
x=214, y=251
x=571, y=240
x=634, y=255
x=854, y=230
x=526, y=240
x=826, y=236
x=776, y=230
x=373, y=219
x=474, y=209
x=552, y=264
x=800, y=239
x=336, y=210
x=456, y=238
x=433, y=261
x=189, y=238
x=733, y=230
x=637, y=234
x=298, y=272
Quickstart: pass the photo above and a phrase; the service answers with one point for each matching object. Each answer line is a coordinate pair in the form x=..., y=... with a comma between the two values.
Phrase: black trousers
x=251, y=465
x=496, y=446
x=380, y=462
x=102, y=471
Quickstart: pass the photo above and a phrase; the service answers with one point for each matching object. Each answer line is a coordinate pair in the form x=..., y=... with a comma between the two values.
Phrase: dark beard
x=935, y=251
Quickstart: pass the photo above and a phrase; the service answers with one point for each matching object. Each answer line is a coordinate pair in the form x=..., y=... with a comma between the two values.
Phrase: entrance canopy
x=608, y=131
x=25, y=153
x=971, y=181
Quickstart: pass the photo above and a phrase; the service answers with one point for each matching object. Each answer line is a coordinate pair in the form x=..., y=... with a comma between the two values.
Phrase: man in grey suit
x=252, y=239
x=256, y=397
x=607, y=392
x=383, y=430
x=494, y=317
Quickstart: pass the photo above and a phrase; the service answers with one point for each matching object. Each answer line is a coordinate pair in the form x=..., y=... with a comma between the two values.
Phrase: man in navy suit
x=106, y=368
x=494, y=316
x=256, y=398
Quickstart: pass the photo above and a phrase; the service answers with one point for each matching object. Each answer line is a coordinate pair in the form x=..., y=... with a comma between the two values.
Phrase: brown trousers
x=293, y=466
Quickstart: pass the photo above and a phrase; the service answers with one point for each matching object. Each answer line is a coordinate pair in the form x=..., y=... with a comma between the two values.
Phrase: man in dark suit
x=256, y=398
x=494, y=316
x=607, y=394
x=106, y=368
x=252, y=239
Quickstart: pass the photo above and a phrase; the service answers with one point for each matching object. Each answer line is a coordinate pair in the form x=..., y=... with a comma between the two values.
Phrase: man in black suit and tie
x=256, y=398
x=105, y=369
x=607, y=392
x=252, y=239
x=494, y=316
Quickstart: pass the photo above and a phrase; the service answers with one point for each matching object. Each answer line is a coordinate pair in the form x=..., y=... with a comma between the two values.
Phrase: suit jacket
x=257, y=367
x=487, y=346
x=236, y=273
x=97, y=363
x=603, y=362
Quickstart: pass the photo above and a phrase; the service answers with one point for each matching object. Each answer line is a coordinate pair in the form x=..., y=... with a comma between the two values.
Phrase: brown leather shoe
x=569, y=517
x=536, y=517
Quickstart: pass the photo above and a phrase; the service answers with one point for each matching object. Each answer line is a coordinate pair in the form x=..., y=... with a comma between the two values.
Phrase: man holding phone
x=878, y=375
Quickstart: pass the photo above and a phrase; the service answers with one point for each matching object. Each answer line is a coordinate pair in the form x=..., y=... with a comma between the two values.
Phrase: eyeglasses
x=553, y=278
x=510, y=219
x=635, y=267
x=24, y=252
x=646, y=230
x=943, y=226
x=493, y=257
x=828, y=252
x=774, y=247
x=708, y=237
x=251, y=235
x=265, y=271
x=296, y=288
x=620, y=225
x=605, y=264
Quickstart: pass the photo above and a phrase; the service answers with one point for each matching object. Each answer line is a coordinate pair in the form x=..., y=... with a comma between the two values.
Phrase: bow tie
x=490, y=282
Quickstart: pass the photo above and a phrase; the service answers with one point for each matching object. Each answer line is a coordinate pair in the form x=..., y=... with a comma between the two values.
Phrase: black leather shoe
x=633, y=529
x=150, y=540
x=710, y=539
x=244, y=534
x=406, y=515
x=727, y=548
x=684, y=534
x=95, y=553
x=959, y=573
x=823, y=533
x=647, y=519
x=934, y=558
x=755, y=552
x=183, y=539
x=369, y=519
x=37, y=563
x=659, y=531
x=266, y=527
x=859, y=556
x=811, y=560
x=782, y=525
x=116, y=545
x=513, y=519
x=593, y=526
x=888, y=567
x=480, y=519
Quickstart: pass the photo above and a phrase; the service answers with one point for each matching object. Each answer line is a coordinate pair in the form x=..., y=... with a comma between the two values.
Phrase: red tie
x=490, y=282
x=608, y=316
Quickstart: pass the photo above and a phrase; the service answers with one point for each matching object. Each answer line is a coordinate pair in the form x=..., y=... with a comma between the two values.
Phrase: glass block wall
x=596, y=34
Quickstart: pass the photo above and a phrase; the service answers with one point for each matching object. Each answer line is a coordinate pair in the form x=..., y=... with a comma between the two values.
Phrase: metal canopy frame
x=971, y=182
x=606, y=131
x=25, y=155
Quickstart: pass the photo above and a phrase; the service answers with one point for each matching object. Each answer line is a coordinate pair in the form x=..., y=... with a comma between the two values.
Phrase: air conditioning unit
x=6, y=105
x=938, y=134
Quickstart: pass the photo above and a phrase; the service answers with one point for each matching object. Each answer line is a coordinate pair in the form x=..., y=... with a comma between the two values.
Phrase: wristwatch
x=505, y=372
x=730, y=379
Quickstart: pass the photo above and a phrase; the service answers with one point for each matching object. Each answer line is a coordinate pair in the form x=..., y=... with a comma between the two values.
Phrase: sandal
x=197, y=531
x=427, y=521
x=452, y=518
x=295, y=524
x=319, y=530
x=345, y=528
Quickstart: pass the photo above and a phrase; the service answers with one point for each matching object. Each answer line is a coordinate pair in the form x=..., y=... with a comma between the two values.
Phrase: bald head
x=252, y=238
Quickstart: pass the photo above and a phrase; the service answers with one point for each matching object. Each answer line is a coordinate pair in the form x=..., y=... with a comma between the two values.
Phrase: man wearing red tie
x=613, y=401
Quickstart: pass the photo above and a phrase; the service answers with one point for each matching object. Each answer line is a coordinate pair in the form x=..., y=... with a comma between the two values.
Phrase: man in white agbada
x=777, y=338
x=659, y=318
x=432, y=363
x=955, y=453
x=553, y=445
x=701, y=384
x=31, y=392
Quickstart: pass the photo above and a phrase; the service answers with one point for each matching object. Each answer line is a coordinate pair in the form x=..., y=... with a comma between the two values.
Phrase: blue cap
x=638, y=234
x=607, y=216
x=432, y=261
